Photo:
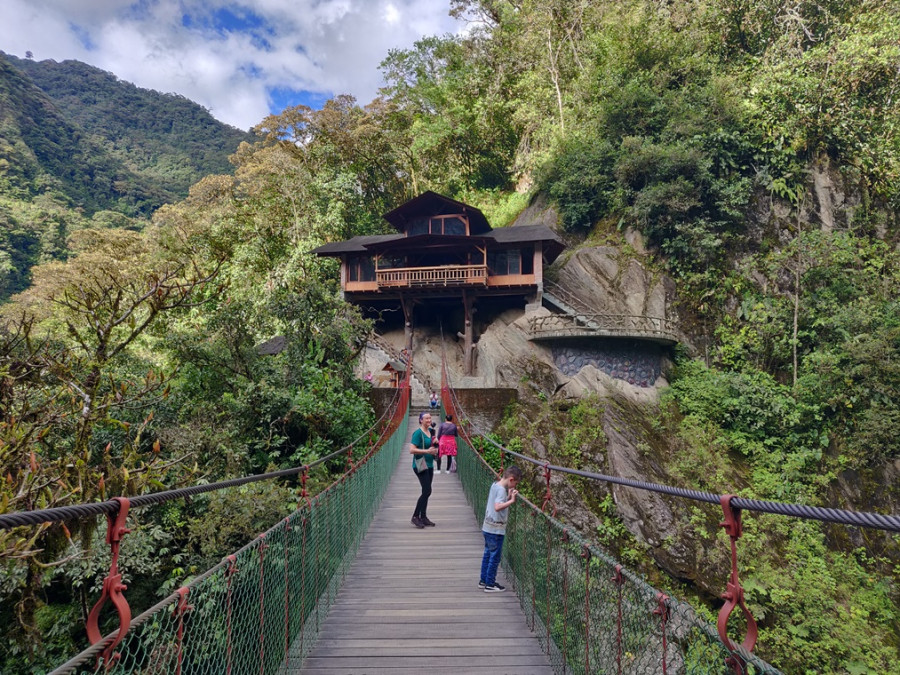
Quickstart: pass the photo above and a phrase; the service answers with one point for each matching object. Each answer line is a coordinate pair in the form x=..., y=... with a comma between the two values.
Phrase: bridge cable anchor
x=112, y=587
x=734, y=593
x=548, y=495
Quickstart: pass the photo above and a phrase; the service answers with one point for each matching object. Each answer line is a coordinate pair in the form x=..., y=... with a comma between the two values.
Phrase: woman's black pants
x=425, y=478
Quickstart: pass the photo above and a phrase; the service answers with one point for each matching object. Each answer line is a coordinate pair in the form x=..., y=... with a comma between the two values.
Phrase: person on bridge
x=423, y=448
x=496, y=513
x=446, y=434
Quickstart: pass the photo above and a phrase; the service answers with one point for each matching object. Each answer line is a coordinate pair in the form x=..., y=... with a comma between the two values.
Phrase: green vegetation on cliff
x=755, y=146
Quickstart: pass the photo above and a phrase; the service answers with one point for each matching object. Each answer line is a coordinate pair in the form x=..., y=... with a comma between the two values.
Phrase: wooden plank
x=410, y=603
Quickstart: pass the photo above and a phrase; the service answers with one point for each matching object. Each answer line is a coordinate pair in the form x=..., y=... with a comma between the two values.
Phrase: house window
x=453, y=225
x=417, y=227
x=361, y=269
x=450, y=225
x=505, y=262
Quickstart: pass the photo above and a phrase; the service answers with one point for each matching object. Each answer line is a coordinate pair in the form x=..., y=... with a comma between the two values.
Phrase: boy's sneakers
x=494, y=588
x=481, y=584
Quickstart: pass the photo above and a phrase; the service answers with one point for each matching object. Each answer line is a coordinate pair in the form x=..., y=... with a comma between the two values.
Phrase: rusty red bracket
x=548, y=495
x=112, y=586
x=734, y=593
x=303, y=492
x=350, y=459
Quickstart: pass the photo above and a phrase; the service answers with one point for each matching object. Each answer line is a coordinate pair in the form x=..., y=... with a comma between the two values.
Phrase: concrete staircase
x=555, y=297
x=421, y=384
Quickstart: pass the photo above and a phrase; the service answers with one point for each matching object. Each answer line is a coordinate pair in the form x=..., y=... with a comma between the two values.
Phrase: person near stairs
x=446, y=435
x=423, y=448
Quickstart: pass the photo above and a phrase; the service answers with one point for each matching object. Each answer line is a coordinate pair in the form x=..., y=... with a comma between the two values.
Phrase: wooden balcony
x=420, y=277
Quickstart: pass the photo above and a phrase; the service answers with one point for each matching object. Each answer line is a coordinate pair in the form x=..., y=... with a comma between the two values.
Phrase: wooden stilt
x=468, y=335
x=407, y=305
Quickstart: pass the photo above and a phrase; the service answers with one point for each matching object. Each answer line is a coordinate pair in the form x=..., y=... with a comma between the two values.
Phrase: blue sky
x=242, y=60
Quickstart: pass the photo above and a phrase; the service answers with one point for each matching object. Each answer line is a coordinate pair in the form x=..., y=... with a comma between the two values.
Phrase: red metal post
x=619, y=581
x=229, y=576
x=662, y=610
x=180, y=609
x=112, y=586
x=548, y=495
x=287, y=618
x=586, y=554
x=524, y=559
x=734, y=593
x=533, y=584
x=305, y=525
x=565, y=584
x=548, y=617
x=262, y=597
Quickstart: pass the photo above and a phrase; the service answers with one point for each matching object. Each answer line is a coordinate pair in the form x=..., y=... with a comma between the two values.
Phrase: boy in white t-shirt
x=496, y=513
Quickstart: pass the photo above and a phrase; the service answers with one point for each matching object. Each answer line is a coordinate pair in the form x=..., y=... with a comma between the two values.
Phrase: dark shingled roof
x=553, y=246
x=354, y=245
x=432, y=204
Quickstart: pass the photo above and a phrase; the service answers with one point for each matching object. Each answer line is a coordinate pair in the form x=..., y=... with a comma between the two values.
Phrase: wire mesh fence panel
x=591, y=615
x=260, y=608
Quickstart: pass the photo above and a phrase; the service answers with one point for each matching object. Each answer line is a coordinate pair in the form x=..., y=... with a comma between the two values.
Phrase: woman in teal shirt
x=423, y=449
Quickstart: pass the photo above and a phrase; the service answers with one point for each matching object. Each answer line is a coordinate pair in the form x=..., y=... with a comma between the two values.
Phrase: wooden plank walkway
x=411, y=604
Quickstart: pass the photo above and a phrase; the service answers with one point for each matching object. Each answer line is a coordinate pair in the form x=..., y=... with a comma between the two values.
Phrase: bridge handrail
x=560, y=552
x=614, y=323
x=829, y=515
x=322, y=577
x=567, y=588
x=111, y=506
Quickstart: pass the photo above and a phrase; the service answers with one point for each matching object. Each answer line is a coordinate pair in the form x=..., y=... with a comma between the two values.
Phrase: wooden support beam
x=468, y=334
x=408, y=304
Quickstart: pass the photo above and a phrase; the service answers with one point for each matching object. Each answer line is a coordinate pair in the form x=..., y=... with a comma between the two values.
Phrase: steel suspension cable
x=217, y=581
x=824, y=514
x=76, y=511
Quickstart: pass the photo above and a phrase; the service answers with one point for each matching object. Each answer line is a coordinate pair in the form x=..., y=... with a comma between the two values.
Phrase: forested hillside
x=79, y=148
x=709, y=127
x=165, y=138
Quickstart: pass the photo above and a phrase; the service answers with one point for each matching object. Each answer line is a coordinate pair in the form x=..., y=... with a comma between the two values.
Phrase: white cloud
x=180, y=46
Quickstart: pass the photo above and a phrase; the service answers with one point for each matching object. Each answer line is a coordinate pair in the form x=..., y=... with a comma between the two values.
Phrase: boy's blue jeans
x=493, y=550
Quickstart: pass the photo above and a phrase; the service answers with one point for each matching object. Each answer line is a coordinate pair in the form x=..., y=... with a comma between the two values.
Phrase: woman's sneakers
x=494, y=588
x=427, y=523
x=418, y=522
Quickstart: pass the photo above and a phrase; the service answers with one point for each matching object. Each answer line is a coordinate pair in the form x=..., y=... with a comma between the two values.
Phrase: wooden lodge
x=444, y=249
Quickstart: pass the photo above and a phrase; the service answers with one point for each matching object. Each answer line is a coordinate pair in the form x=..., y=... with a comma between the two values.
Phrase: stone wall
x=381, y=399
x=636, y=363
x=484, y=408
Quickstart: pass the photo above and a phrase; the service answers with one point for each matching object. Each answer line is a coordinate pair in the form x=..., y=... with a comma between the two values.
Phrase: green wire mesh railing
x=260, y=609
x=591, y=615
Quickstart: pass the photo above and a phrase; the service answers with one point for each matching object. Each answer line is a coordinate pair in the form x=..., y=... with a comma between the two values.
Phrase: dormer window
x=455, y=224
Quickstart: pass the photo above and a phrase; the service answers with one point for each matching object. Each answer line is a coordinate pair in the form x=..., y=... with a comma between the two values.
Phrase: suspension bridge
x=346, y=585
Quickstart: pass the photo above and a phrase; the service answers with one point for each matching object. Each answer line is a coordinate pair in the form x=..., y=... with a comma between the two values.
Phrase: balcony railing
x=603, y=325
x=451, y=275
